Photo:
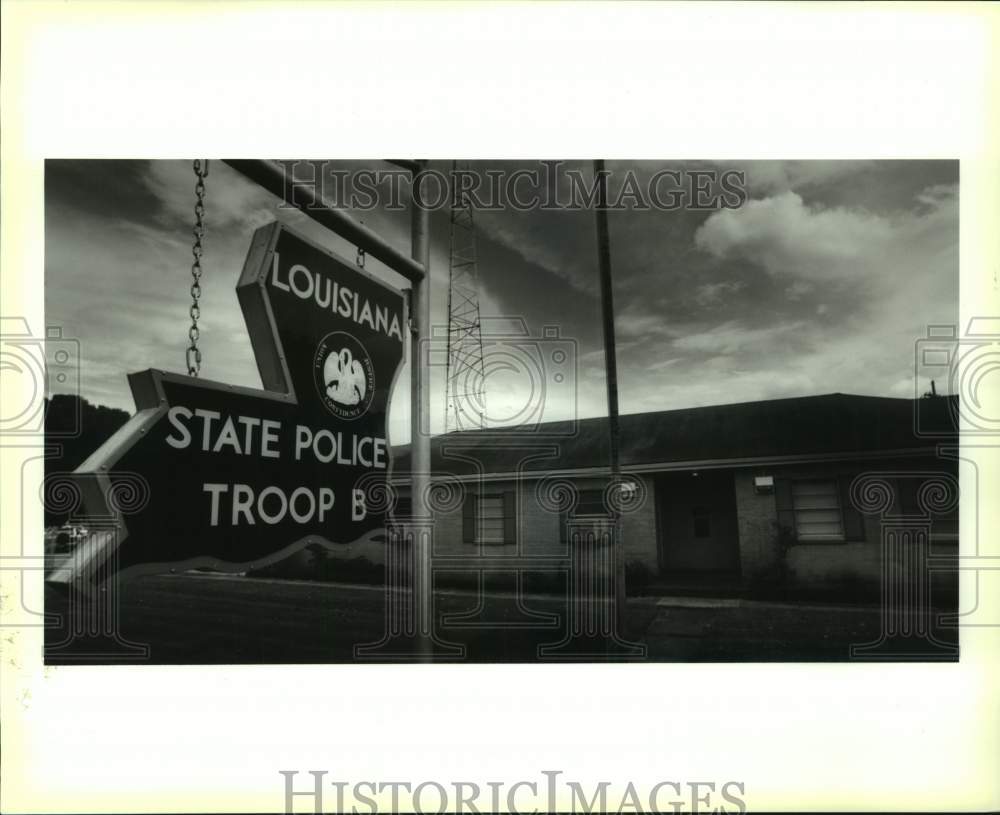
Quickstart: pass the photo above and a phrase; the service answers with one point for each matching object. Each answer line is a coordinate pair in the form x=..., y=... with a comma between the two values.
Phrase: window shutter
x=783, y=504
x=854, y=522
x=469, y=517
x=509, y=517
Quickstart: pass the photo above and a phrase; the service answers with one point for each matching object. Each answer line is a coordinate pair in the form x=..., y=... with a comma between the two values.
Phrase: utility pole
x=611, y=374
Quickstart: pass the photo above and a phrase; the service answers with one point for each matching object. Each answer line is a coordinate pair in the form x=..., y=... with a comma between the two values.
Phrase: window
x=591, y=505
x=818, y=510
x=818, y=516
x=491, y=519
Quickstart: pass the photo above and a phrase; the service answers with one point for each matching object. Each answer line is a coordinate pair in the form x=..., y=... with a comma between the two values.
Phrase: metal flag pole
x=611, y=372
x=420, y=405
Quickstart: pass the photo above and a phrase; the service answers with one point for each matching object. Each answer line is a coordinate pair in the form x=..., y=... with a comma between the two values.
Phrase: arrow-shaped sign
x=239, y=477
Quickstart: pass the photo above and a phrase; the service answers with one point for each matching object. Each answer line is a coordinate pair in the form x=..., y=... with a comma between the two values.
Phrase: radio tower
x=465, y=385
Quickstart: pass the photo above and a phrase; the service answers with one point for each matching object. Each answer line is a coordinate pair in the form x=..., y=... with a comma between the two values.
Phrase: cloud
x=938, y=195
x=833, y=298
x=663, y=364
x=710, y=294
x=732, y=337
x=769, y=177
x=229, y=198
x=635, y=324
x=786, y=237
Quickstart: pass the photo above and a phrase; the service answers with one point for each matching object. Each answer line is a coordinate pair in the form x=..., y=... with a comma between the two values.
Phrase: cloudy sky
x=822, y=281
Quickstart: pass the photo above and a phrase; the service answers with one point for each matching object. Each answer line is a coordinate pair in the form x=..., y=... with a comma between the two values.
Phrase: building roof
x=834, y=424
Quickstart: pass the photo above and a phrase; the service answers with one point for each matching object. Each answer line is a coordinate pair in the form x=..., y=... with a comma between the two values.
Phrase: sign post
x=420, y=406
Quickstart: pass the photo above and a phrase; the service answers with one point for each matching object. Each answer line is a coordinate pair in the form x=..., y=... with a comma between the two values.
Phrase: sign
x=238, y=476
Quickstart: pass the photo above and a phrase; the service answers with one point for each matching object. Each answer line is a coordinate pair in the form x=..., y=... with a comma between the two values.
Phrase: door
x=698, y=531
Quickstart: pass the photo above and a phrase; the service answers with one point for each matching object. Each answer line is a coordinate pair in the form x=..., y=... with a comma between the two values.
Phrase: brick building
x=752, y=495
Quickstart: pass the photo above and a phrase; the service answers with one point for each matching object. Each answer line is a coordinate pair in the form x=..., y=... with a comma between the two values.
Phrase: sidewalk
x=750, y=604
x=739, y=630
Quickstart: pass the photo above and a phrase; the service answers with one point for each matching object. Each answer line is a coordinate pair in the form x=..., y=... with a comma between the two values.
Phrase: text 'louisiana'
x=328, y=294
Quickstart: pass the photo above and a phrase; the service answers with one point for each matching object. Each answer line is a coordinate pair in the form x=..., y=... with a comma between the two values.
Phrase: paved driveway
x=193, y=619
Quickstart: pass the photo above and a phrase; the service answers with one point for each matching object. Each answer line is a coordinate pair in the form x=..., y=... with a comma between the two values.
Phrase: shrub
x=637, y=576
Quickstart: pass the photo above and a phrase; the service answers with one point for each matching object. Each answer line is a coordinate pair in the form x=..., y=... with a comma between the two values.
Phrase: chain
x=194, y=352
x=360, y=259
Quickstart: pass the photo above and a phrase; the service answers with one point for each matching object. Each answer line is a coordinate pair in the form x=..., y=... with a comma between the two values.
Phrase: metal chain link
x=193, y=356
x=360, y=259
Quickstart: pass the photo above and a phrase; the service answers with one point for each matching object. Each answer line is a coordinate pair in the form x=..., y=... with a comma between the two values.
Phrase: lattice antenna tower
x=465, y=391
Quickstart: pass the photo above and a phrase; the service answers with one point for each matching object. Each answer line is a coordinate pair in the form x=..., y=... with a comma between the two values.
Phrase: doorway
x=698, y=530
